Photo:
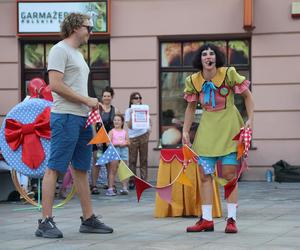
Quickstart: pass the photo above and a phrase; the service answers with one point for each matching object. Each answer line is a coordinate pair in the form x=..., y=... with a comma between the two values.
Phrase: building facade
x=149, y=49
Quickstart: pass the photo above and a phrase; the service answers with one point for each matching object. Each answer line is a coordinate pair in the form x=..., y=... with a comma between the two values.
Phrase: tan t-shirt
x=70, y=61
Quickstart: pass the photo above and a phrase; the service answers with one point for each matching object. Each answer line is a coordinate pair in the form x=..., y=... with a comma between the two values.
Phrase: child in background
x=119, y=138
x=67, y=183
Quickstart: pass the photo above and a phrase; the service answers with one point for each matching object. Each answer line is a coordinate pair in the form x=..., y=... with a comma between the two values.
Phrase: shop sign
x=45, y=17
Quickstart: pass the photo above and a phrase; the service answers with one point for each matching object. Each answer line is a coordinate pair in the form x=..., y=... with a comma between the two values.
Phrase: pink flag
x=165, y=193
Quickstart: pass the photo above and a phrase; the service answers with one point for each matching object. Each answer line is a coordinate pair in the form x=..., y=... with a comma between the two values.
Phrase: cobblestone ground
x=268, y=218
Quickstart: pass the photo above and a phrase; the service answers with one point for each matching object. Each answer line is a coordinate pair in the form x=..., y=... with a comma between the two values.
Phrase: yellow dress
x=218, y=124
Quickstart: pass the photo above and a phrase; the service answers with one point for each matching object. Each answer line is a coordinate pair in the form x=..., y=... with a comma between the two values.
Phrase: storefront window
x=238, y=53
x=171, y=55
x=84, y=51
x=35, y=62
x=34, y=56
x=99, y=55
x=175, y=65
x=48, y=47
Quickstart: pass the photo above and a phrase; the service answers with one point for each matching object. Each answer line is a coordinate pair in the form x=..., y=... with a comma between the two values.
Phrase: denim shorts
x=123, y=153
x=208, y=164
x=69, y=139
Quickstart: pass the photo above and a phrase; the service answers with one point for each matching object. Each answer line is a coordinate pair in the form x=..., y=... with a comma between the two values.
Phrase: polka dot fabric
x=25, y=112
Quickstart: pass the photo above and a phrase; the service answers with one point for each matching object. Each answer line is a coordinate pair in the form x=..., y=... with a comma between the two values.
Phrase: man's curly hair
x=71, y=22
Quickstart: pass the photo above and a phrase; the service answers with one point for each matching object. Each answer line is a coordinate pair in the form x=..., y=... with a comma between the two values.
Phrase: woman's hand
x=186, y=139
x=249, y=123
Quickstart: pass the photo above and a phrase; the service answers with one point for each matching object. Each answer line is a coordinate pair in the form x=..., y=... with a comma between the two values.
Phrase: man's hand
x=92, y=103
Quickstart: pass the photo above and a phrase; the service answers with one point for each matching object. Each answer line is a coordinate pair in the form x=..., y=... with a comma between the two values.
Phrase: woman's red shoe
x=201, y=226
x=231, y=226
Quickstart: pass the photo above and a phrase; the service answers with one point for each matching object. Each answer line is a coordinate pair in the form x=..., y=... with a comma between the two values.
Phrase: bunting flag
x=188, y=153
x=229, y=187
x=165, y=193
x=244, y=138
x=124, y=172
x=240, y=150
x=100, y=137
x=247, y=135
x=93, y=118
x=140, y=187
x=219, y=180
x=244, y=166
x=109, y=155
x=184, y=180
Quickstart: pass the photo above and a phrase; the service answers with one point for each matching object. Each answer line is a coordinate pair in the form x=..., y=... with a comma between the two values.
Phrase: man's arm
x=57, y=85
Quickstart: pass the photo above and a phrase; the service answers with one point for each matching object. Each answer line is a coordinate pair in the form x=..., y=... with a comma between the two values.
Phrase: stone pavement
x=268, y=219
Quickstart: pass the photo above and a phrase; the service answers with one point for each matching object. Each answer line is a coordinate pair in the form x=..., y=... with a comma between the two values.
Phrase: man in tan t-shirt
x=68, y=77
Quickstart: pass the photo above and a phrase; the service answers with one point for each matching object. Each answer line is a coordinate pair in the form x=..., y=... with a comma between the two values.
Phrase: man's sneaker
x=131, y=185
x=201, y=225
x=110, y=192
x=231, y=226
x=48, y=229
x=124, y=191
x=94, y=225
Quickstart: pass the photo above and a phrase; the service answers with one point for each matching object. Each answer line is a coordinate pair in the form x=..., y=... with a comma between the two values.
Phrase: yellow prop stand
x=185, y=200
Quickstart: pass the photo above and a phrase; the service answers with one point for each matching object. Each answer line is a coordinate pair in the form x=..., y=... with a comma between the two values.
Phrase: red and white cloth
x=244, y=137
x=93, y=118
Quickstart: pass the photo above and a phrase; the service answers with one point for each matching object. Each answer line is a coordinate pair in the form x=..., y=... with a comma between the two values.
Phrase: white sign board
x=46, y=17
x=140, y=117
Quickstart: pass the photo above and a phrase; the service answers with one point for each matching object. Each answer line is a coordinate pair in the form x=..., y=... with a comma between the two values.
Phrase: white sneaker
x=110, y=192
x=124, y=191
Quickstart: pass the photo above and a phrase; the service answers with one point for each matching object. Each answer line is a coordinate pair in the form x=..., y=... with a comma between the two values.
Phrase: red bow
x=28, y=135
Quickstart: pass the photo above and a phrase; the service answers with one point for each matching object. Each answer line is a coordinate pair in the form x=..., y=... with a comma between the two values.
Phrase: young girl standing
x=119, y=138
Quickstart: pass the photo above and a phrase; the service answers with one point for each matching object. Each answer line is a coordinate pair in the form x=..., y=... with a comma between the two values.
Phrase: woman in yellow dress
x=214, y=86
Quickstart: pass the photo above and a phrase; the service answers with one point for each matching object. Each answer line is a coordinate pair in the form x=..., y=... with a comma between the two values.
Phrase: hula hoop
x=31, y=201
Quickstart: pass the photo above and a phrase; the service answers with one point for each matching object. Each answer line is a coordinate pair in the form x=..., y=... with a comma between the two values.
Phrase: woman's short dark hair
x=109, y=90
x=220, y=60
x=132, y=95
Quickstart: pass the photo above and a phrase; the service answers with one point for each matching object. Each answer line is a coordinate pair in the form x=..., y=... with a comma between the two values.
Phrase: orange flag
x=184, y=180
x=100, y=137
x=188, y=153
x=240, y=150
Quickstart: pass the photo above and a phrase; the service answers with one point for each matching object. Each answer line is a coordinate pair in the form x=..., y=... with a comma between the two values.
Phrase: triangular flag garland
x=165, y=192
x=124, y=172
